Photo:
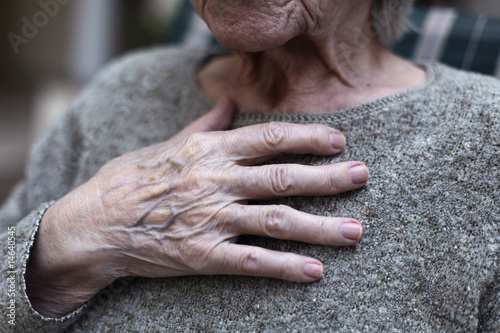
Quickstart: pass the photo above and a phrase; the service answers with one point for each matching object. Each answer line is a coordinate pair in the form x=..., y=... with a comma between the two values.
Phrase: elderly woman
x=130, y=232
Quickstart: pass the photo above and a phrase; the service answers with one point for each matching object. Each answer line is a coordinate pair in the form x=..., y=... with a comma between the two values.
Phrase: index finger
x=265, y=140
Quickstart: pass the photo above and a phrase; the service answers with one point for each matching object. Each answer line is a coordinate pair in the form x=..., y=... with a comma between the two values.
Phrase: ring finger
x=283, y=222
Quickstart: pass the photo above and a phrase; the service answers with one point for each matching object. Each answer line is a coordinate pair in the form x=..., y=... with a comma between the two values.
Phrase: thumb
x=217, y=119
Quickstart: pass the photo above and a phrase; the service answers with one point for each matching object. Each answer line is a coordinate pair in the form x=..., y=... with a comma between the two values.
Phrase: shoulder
x=150, y=67
x=160, y=58
x=468, y=107
x=471, y=89
x=463, y=99
x=142, y=85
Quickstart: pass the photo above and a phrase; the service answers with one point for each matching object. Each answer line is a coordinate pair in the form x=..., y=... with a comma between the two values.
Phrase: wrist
x=64, y=271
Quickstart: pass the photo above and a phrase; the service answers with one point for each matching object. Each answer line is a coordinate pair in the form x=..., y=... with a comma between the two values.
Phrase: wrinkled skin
x=257, y=25
x=176, y=208
x=301, y=56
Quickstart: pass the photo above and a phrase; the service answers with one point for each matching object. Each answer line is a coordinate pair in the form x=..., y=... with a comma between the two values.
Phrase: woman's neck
x=315, y=73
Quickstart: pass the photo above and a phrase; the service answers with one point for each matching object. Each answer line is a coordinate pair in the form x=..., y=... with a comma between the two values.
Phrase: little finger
x=236, y=259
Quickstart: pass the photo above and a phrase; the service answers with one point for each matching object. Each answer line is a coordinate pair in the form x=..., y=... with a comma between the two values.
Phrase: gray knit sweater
x=428, y=261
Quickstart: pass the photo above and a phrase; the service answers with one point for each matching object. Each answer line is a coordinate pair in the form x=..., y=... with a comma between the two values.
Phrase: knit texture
x=429, y=258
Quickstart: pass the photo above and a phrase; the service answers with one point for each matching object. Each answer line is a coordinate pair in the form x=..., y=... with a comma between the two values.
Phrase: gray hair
x=389, y=18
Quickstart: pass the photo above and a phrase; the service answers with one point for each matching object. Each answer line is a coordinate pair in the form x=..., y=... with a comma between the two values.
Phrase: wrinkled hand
x=176, y=208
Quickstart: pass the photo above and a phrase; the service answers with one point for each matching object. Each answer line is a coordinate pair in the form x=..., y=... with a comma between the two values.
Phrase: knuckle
x=228, y=216
x=286, y=269
x=333, y=178
x=280, y=179
x=197, y=142
x=192, y=253
x=191, y=248
x=324, y=232
x=274, y=220
x=194, y=139
x=317, y=135
x=273, y=134
x=251, y=263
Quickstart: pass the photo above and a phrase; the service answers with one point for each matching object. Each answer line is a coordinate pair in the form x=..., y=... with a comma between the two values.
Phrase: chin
x=250, y=25
x=251, y=38
x=251, y=43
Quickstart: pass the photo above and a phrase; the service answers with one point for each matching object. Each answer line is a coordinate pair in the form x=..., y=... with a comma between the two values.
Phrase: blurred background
x=49, y=50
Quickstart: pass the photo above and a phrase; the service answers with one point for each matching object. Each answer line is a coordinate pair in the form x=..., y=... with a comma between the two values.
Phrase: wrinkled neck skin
x=322, y=70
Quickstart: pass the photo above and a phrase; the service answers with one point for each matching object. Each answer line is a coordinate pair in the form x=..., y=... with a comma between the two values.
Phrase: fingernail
x=352, y=231
x=337, y=140
x=313, y=270
x=358, y=174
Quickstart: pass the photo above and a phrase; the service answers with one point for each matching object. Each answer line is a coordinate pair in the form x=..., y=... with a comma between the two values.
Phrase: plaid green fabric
x=462, y=41
x=435, y=34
